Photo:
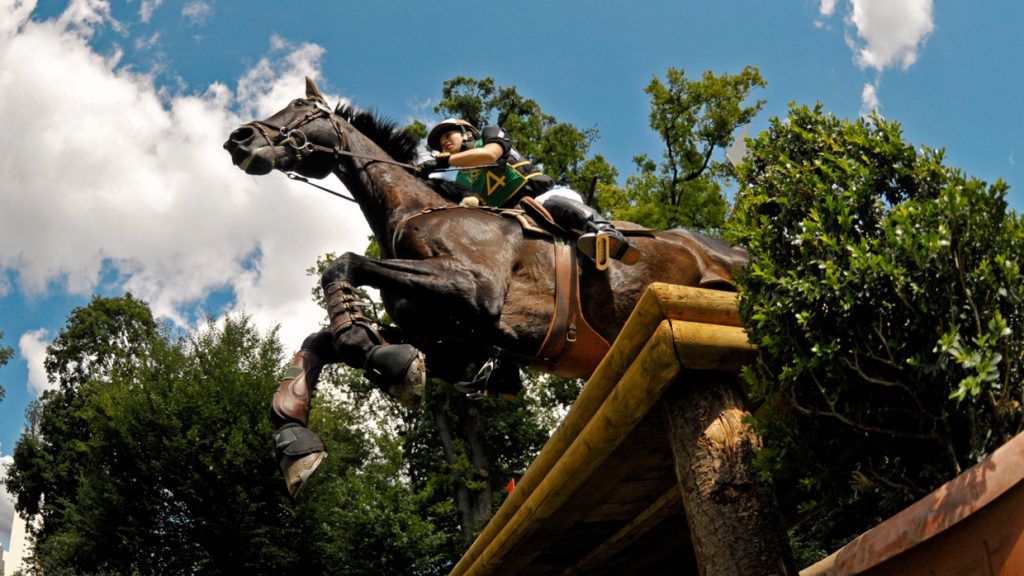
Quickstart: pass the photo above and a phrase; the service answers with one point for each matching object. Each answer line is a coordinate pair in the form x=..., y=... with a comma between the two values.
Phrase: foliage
x=165, y=466
x=884, y=294
x=5, y=355
x=107, y=335
x=694, y=119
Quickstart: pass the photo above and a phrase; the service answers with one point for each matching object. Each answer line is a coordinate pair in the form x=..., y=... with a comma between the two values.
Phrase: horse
x=461, y=283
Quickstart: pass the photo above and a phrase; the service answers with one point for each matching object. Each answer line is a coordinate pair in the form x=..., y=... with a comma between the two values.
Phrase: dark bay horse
x=461, y=283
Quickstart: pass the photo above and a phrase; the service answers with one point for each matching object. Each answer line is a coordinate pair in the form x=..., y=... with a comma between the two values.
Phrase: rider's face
x=451, y=142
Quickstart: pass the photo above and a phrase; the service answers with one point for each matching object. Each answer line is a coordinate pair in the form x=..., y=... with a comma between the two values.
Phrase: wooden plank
x=670, y=503
x=653, y=370
x=538, y=497
x=979, y=514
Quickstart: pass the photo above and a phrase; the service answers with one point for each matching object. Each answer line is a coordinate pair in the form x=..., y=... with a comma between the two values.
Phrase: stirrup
x=481, y=385
x=603, y=245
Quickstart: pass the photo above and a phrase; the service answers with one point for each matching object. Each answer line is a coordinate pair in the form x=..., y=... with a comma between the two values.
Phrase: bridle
x=293, y=136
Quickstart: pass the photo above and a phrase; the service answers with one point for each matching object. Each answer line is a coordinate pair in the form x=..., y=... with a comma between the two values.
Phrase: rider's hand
x=431, y=165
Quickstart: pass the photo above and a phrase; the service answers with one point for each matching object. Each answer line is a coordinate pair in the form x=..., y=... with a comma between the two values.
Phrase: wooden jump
x=624, y=488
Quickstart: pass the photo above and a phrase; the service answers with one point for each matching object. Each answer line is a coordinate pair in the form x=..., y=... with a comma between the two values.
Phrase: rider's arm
x=486, y=154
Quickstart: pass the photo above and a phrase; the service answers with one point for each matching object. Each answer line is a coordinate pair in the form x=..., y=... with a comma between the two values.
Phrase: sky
x=113, y=114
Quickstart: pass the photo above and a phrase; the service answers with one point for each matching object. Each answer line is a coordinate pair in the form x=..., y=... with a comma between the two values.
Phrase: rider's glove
x=431, y=165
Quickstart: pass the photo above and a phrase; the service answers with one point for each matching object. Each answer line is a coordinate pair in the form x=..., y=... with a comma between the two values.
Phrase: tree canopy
x=164, y=464
x=694, y=119
x=5, y=355
x=885, y=296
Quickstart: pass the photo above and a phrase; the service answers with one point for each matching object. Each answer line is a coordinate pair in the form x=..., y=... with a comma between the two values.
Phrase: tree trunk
x=733, y=516
x=474, y=505
x=482, y=469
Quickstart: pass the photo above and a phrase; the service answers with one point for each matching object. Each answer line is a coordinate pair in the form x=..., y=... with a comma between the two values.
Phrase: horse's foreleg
x=397, y=369
x=475, y=292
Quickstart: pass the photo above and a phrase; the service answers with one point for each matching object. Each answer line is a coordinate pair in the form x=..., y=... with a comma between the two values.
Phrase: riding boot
x=299, y=450
x=600, y=239
x=497, y=378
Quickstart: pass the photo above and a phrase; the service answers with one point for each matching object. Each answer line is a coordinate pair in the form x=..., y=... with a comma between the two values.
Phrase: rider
x=501, y=178
x=504, y=177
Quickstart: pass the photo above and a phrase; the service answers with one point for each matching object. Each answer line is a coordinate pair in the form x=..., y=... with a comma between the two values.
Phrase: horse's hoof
x=298, y=469
x=409, y=391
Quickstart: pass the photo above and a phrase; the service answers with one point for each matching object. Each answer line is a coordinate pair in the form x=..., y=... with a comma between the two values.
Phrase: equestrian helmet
x=445, y=126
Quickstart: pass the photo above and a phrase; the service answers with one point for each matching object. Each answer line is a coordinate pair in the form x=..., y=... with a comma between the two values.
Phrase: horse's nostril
x=242, y=135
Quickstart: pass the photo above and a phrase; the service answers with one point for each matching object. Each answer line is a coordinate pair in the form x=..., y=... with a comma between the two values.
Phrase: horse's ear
x=312, y=92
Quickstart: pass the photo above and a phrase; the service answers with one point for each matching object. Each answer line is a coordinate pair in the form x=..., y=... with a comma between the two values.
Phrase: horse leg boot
x=397, y=369
x=299, y=450
x=600, y=239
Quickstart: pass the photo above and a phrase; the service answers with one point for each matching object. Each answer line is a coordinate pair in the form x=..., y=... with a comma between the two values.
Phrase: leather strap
x=572, y=348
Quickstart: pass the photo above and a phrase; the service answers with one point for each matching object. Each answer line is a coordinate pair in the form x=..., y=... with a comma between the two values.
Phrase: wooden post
x=733, y=517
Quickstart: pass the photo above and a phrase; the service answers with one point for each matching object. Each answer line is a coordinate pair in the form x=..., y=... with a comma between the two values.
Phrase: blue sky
x=114, y=113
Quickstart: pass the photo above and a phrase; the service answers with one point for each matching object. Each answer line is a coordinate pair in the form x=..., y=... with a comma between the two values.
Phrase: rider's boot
x=497, y=378
x=600, y=239
x=299, y=450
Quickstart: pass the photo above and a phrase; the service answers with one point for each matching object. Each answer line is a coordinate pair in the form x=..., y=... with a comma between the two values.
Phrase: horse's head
x=304, y=137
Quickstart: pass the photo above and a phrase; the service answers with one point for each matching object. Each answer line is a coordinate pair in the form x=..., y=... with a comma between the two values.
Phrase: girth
x=572, y=348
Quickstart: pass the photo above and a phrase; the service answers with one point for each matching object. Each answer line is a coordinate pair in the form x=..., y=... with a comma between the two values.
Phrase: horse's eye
x=300, y=103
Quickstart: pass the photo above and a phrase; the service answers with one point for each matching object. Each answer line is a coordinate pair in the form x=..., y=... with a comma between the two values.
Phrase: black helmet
x=445, y=126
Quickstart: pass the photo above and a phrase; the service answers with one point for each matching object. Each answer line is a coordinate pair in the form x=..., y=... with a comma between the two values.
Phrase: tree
x=165, y=466
x=885, y=296
x=107, y=335
x=5, y=355
x=694, y=119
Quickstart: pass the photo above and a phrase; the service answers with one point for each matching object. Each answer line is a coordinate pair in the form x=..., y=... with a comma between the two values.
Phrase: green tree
x=884, y=294
x=165, y=466
x=694, y=119
x=107, y=335
x=5, y=355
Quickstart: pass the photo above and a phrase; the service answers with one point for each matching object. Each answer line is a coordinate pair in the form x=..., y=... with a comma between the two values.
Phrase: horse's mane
x=396, y=142
x=384, y=132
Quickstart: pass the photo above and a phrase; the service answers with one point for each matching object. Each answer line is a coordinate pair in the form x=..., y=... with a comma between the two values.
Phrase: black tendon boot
x=299, y=450
x=600, y=240
x=497, y=378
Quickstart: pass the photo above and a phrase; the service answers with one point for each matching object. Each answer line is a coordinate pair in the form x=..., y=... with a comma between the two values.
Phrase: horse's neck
x=387, y=194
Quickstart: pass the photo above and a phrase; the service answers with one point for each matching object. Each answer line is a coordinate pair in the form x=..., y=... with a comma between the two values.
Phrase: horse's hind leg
x=299, y=450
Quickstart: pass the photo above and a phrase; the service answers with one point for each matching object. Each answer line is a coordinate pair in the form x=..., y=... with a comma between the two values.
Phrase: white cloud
x=869, y=98
x=147, y=8
x=105, y=171
x=32, y=347
x=883, y=34
x=889, y=33
x=197, y=12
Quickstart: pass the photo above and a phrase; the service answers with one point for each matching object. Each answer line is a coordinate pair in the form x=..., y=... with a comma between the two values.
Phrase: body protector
x=513, y=177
